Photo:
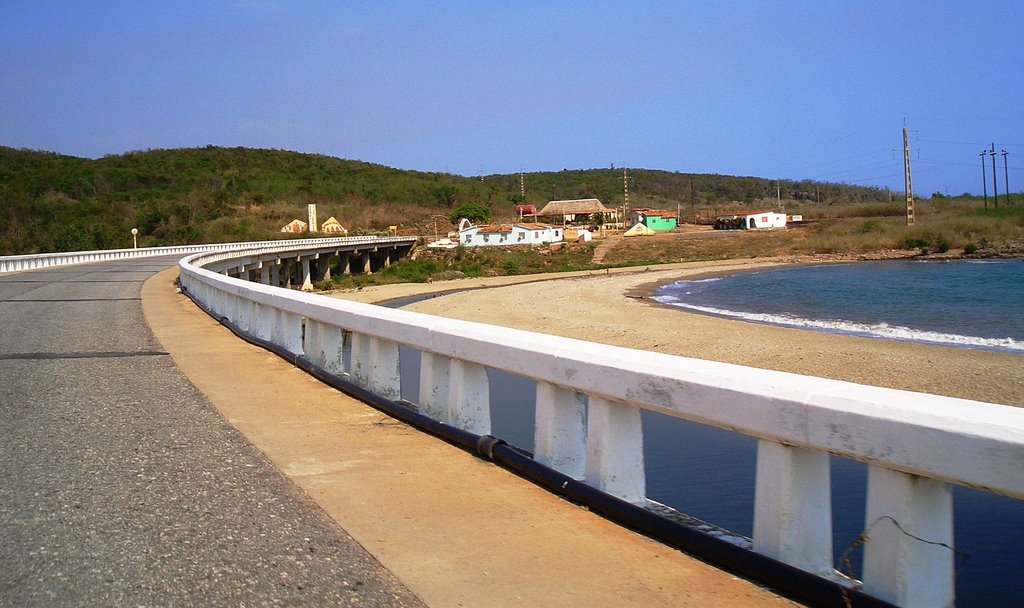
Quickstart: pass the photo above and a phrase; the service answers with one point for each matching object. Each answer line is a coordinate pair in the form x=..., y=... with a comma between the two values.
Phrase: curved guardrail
x=588, y=425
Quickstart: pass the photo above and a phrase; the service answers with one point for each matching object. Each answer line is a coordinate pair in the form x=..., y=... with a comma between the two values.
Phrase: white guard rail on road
x=12, y=263
x=915, y=444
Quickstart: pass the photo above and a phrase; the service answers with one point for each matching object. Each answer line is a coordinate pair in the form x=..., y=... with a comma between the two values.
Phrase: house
x=295, y=226
x=333, y=226
x=751, y=220
x=507, y=234
x=655, y=219
x=576, y=210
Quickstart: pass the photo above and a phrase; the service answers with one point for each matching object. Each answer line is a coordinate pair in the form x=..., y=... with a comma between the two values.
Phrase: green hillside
x=53, y=202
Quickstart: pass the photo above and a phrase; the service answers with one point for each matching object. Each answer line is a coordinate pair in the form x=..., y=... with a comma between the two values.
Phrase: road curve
x=119, y=482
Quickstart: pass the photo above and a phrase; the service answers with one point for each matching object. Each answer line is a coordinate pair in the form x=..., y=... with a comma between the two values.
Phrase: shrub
x=970, y=248
x=942, y=244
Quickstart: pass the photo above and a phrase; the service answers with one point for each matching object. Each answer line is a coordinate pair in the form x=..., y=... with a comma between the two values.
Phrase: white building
x=764, y=219
x=507, y=234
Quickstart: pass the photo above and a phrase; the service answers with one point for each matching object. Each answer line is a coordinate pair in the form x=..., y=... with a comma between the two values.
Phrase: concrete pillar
x=307, y=282
x=387, y=258
x=325, y=265
x=615, y=449
x=898, y=567
x=560, y=432
x=793, y=507
x=287, y=266
x=433, y=398
x=265, y=274
x=366, y=263
x=275, y=274
x=470, y=400
x=344, y=261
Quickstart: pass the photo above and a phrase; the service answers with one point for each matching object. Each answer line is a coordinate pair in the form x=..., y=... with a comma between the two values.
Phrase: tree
x=474, y=212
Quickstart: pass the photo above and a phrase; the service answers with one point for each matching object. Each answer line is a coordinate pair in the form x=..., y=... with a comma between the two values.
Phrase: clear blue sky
x=814, y=89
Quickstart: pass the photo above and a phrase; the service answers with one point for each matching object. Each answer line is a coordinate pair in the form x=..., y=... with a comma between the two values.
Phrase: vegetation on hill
x=54, y=202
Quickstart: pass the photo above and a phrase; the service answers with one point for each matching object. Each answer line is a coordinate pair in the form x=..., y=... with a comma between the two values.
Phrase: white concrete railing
x=915, y=444
x=12, y=263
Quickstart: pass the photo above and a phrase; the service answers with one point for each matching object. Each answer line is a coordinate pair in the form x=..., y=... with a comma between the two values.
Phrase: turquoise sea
x=968, y=303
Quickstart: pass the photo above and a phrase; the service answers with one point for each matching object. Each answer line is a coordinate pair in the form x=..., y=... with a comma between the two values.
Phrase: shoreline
x=616, y=308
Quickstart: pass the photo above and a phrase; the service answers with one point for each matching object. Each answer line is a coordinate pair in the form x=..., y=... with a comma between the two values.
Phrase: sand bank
x=612, y=307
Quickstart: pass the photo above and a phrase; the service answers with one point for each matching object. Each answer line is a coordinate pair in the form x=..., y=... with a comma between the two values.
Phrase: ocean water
x=967, y=303
x=710, y=473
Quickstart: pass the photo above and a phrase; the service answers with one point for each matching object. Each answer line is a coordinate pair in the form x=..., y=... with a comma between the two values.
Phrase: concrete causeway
x=120, y=484
x=123, y=479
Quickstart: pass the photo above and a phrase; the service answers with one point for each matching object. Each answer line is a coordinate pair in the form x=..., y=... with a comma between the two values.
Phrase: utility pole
x=906, y=179
x=693, y=202
x=1006, y=176
x=625, y=198
x=995, y=186
x=778, y=197
x=984, y=180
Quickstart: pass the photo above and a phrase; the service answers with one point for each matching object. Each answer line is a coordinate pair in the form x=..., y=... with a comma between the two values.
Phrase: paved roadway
x=121, y=485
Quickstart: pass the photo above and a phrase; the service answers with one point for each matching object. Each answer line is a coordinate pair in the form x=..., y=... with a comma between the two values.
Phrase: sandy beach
x=613, y=307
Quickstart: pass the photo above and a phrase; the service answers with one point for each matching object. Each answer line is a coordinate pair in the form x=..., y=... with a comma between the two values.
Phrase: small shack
x=753, y=220
x=638, y=229
x=333, y=226
x=655, y=219
x=522, y=210
x=295, y=226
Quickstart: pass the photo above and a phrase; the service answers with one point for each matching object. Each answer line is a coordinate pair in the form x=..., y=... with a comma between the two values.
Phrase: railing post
x=360, y=359
x=615, y=449
x=908, y=559
x=264, y=322
x=793, y=507
x=470, y=400
x=560, y=431
x=385, y=374
x=434, y=388
x=288, y=330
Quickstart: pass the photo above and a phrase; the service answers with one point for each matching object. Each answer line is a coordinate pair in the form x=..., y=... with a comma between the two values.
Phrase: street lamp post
x=135, y=238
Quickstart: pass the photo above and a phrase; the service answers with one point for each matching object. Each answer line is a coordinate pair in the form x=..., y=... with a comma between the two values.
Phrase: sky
x=782, y=90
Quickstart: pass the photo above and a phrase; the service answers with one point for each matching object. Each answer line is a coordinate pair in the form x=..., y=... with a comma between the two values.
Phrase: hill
x=54, y=202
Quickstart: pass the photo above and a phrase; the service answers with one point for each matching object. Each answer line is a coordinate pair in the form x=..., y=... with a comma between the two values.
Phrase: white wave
x=877, y=330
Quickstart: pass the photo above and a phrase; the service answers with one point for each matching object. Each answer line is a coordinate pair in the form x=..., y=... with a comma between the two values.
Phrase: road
x=120, y=484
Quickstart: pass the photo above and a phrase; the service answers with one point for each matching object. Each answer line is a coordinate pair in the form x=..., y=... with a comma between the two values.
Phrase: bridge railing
x=588, y=422
x=11, y=263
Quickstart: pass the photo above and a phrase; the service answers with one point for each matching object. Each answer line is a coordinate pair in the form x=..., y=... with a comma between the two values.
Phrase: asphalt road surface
x=121, y=485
